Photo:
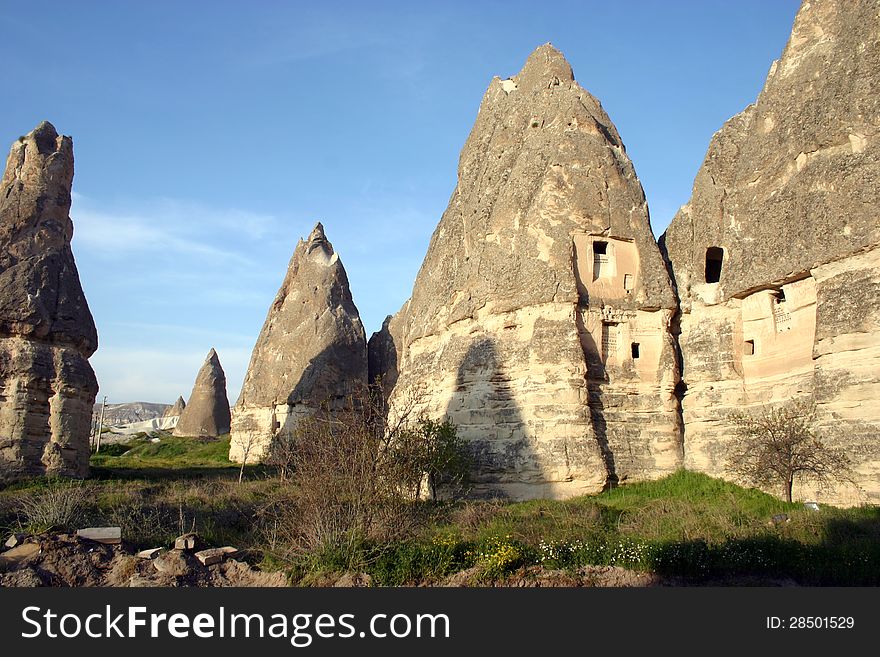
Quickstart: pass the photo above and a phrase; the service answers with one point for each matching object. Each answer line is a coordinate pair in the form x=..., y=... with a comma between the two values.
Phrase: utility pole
x=92, y=436
x=100, y=425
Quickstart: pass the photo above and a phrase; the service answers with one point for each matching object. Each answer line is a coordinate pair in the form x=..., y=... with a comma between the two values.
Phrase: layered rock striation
x=310, y=353
x=47, y=387
x=207, y=413
x=539, y=322
x=776, y=257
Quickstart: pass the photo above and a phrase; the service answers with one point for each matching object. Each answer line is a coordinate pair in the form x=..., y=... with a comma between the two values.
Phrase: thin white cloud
x=169, y=226
x=154, y=375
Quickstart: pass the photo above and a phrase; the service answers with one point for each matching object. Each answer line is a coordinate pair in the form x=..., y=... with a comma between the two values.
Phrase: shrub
x=430, y=455
x=58, y=507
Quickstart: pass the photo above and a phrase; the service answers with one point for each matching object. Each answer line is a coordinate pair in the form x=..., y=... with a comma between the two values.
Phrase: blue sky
x=210, y=136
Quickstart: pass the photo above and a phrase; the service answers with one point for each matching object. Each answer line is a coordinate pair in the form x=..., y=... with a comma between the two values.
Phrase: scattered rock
x=311, y=351
x=152, y=553
x=46, y=329
x=122, y=569
x=62, y=560
x=187, y=542
x=207, y=413
x=210, y=556
x=141, y=581
x=14, y=539
x=25, y=577
x=467, y=577
x=780, y=518
x=172, y=562
x=354, y=580
x=106, y=535
x=18, y=555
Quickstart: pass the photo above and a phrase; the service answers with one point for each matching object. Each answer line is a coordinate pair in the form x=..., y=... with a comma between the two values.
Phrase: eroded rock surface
x=776, y=255
x=539, y=322
x=310, y=352
x=207, y=413
x=47, y=387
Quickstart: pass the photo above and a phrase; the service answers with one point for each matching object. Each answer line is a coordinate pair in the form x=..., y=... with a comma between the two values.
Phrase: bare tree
x=779, y=444
x=356, y=470
x=247, y=444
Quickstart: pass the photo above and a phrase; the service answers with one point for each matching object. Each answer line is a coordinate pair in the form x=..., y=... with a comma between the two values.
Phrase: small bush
x=58, y=507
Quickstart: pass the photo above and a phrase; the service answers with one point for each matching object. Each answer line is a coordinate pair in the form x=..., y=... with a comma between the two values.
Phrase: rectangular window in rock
x=609, y=340
x=600, y=259
x=749, y=348
x=628, y=282
x=634, y=348
x=781, y=316
x=714, y=260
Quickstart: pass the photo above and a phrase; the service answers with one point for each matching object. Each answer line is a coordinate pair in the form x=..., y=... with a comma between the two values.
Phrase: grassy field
x=687, y=527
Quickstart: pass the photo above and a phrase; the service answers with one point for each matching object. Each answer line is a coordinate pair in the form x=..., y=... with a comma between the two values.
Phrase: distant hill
x=116, y=414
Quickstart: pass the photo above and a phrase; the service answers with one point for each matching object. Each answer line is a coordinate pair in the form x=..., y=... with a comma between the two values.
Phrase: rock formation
x=47, y=387
x=311, y=350
x=539, y=322
x=776, y=255
x=130, y=412
x=176, y=409
x=207, y=413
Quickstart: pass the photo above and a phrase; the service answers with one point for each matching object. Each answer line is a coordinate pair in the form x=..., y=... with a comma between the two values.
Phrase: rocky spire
x=311, y=350
x=541, y=275
x=776, y=256
x=176, y=409
x=47, y=387
x=207, y=413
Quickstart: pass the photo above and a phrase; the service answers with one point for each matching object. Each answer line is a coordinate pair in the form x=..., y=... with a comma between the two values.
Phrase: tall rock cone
x=539, y=322
x=776, y=255
x=207, y=413
x=47, y=387
x=310, y=352
x=176, y=409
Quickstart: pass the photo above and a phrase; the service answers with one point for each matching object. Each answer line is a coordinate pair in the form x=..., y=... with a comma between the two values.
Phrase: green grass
x=688, y=527
x=170, y=453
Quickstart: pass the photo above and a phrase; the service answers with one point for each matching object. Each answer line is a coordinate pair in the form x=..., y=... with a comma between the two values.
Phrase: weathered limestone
x=540, y=320
x=47, y=387
x=784, y=219
x=310, y=352
x=207, y=413
x=176, y=409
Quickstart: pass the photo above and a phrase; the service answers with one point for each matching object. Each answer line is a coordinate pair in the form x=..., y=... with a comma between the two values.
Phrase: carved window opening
x=601, y=260
x=609, y=340
x=714, y=260
x=749, y=348
x=628, y=283
x=634, y=348
x=781, y=316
